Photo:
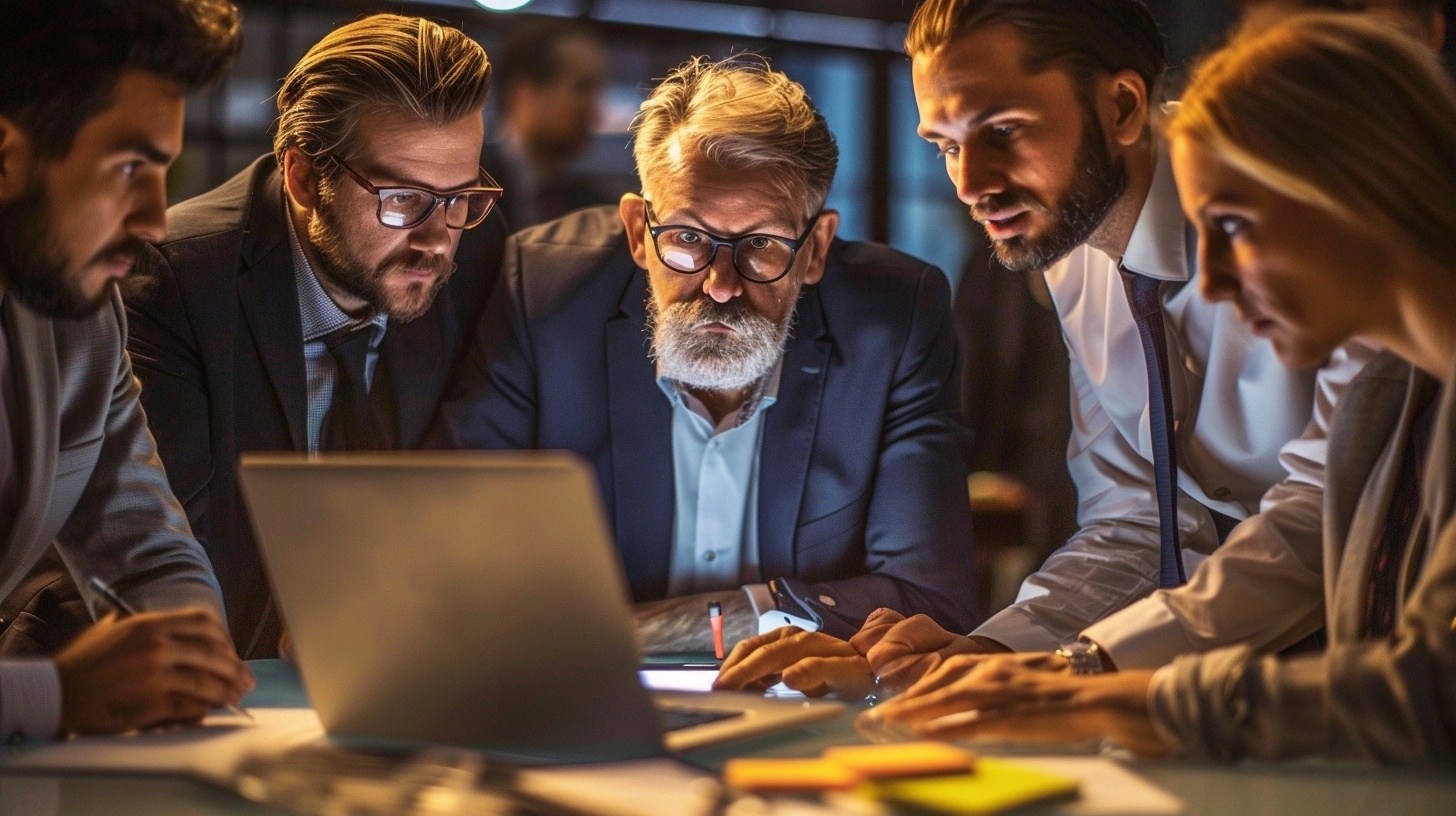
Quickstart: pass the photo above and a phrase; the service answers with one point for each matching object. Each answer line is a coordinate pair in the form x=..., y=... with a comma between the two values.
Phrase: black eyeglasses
x=406, y=207
x=758, y=257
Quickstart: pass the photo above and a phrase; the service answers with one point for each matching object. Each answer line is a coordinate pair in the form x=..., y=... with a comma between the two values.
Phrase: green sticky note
x=994, y=786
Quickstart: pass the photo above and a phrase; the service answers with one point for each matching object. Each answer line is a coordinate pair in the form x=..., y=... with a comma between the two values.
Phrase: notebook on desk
x=471, y=599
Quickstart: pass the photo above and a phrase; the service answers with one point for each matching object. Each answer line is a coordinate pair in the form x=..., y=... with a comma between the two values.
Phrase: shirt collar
x=1159, y=245
x=318, y=312
x=765, y=392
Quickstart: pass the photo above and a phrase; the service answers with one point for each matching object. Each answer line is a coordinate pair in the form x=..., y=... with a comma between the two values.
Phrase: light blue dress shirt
x=715, y=476
x=320, y=315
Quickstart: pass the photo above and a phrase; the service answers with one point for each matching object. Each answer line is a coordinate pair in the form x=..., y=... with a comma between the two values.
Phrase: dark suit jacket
x=218, y=344
x=862, y=486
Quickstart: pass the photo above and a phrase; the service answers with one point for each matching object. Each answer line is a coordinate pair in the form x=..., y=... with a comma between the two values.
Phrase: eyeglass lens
x=406, y=207
x=757, y=256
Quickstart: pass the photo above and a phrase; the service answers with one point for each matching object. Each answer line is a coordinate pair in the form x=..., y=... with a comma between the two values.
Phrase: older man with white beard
x=770, y=411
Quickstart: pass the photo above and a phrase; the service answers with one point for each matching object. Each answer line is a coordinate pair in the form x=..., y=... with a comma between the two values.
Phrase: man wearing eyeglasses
x=314, y=301
x=770, y=411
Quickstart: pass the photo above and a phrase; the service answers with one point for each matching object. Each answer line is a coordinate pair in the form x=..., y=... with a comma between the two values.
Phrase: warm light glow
x=501, y=5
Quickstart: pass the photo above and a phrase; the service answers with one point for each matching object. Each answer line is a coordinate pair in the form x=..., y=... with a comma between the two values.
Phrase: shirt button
x=709, y=555
x=826, y=600
x=1222, y=493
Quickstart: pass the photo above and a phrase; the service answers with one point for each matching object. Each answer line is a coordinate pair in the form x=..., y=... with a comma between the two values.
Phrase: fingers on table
x=875, y=627
x=770, y=654
x=914, y=635
x=847, y=675
x=1031, y=722
x=899, y=675
x=965, y=683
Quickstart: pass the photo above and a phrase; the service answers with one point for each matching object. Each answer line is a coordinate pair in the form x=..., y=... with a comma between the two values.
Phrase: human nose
x=723, y=282
x=1218, y=271
x=431, y=235
x=148, y=217
x=976, y=174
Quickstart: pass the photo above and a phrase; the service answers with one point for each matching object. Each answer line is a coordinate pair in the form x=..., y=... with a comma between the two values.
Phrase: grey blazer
x=1389, y=700
x=89, y=479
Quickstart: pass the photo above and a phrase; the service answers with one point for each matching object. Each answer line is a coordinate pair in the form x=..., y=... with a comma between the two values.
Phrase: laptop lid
x=471, y=599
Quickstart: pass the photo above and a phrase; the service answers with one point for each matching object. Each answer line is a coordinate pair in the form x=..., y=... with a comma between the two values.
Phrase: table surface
x=1248, y=789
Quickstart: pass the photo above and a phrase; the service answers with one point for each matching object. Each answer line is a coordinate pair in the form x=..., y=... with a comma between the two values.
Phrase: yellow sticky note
x=995, y=786
x=782, y=775
x=902, y=759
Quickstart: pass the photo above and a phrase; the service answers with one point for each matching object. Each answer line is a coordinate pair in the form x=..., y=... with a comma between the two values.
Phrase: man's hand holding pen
x=132, y=671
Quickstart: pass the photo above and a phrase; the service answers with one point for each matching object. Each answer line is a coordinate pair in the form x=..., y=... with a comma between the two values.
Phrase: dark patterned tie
x=1147, y=312
x=351, y=422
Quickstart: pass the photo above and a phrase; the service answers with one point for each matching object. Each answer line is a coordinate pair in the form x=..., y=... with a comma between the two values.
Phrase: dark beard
x=367, y=283
x=35, y=272
x=1100, y=181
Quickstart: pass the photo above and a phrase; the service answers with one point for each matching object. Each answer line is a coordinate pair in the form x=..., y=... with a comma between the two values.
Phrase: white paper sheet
x=210, y=751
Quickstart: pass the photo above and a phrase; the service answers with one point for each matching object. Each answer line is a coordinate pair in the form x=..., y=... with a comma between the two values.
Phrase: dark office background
x=847, y=54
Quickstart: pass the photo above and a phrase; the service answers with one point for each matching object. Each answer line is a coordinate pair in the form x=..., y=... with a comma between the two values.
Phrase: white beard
x=712, y=361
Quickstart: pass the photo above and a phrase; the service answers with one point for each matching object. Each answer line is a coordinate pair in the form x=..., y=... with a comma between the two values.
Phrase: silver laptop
x=472, y=599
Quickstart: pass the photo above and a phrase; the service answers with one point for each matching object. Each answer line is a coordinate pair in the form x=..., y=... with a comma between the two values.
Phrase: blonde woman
x=1318, y=159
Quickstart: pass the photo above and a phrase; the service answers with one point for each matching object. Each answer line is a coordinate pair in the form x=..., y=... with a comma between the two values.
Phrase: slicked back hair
x=1085, y=37
x=60, y=60
x=384, y=61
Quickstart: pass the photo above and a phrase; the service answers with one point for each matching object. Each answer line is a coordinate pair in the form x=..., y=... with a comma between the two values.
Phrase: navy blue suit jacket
x=862, y=486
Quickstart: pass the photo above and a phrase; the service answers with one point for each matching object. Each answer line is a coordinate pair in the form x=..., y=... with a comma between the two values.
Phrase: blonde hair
x=382, y=61
x=1341, y=112
x=739, y=114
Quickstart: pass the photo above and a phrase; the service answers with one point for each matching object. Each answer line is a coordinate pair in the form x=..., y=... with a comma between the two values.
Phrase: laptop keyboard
x=676, y=718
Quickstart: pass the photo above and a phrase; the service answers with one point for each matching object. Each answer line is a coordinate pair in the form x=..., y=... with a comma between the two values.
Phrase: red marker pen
x=715, y=619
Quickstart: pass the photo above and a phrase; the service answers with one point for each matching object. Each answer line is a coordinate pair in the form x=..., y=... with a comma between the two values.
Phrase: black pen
x=124, y=610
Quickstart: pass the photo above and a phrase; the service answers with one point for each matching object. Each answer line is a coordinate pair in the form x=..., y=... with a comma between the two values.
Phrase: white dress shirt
x=1247, y=430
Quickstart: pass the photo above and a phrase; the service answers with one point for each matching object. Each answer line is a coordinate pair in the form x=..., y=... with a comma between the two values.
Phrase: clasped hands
x=949, y=686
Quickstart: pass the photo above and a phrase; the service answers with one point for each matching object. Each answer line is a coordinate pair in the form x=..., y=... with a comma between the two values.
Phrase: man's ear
x=17, y=159
x=1123, y=104
x=633, y=209
x=818, y=245
x=301, y=178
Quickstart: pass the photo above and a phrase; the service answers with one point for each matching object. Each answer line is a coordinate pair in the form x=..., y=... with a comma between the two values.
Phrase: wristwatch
x=1082, y=656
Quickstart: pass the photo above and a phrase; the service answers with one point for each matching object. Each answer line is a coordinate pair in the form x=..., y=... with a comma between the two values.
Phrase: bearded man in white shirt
x=1045, y=112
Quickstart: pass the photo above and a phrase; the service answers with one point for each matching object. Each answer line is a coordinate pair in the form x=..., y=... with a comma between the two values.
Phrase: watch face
x=1082, y=657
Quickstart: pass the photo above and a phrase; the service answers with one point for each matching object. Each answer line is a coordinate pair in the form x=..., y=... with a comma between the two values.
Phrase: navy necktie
x=1147, y=312
x=352, y=422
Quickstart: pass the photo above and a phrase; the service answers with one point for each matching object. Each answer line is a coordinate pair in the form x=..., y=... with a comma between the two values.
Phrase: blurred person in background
x=549, y=78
